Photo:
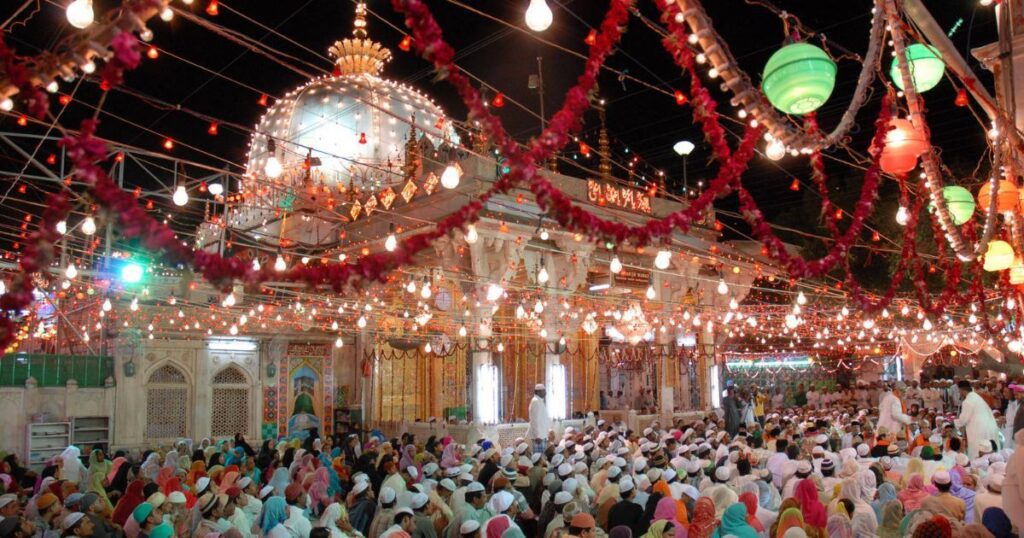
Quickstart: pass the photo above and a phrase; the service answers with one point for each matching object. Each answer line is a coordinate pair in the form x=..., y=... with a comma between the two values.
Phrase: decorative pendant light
x=926, y=67
x=959, y=202
x=1006, y=196
x=903, y=145
x=799, y=78
x=999, y=256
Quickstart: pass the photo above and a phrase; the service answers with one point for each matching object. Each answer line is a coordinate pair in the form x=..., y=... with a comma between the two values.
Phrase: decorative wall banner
x=305, y=391
x=609, y=194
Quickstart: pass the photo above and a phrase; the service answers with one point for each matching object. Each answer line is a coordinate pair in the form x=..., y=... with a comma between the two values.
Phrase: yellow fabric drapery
x=410, y=385
x=583, y=373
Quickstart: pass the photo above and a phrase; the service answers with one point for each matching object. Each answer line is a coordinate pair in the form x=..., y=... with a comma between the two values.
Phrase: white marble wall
x=62, y=403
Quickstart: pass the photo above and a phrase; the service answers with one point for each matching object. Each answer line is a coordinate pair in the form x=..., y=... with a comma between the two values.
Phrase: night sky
x=646, y=122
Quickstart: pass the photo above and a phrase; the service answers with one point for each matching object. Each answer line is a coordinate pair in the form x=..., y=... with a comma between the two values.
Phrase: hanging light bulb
x=106, y=305
x=71, y=272
x=134, y=306
x=428, y=349
x=494, y=292
x=216, y=189
x=775, y=149
x=411, y=286
x=280, y=264
x=180, y=197
x=544, y=235
x=733, y=304
x=651, y=294
x=272, y=168
x=80, y=13
x=339, y=342
x=542, y=275
x=425, y=290
x=62, y=227
x=229, y=301
x=539, y=16
x=471, y=235
x=902, y=216
x=451, y=176
x=723, y=288
x=391, y=243
x=88, y=226
x=663, y=259
x=927, y=325
x=801, y=299
x=616, y=266
x=538, y=307
x=255, y=264
x=462, y=331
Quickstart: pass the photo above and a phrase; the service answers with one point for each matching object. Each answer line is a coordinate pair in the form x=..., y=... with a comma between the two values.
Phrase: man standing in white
x=890, y=410
x=975, y=419
x=540, y=421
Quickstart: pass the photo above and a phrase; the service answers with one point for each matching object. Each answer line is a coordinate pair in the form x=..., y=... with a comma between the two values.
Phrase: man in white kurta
x=890, y=410
x=540, y=421
x=975, y=419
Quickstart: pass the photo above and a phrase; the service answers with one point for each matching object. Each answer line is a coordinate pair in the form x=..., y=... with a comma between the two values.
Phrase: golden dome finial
x=359, y=55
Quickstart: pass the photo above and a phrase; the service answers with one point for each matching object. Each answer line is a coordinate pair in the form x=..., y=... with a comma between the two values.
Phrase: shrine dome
x=344, y=131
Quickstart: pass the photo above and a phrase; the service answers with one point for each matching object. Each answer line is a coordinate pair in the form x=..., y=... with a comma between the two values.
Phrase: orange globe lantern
x=903, y=145
x=1007, y=196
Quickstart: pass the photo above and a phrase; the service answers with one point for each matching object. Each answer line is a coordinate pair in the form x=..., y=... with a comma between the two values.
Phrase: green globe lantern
x=960, y=203
x=799, y=78
x=926, y=67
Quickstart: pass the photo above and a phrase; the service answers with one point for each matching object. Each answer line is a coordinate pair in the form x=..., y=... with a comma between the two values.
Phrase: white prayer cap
x=177, y=497
x=452, y=472
x=521, y=448
x=202, y=484
x=562, y=497
x=474, y=487
x=470, y=526
x=863, y=450
x=804, y=467
x=265, y=492
x=994, y=481
x=570, y=485
x=501, y=501
x=430, y=468
x=625, y=485
x=538, y=386
x=614, y=472
x=722, y=473
x=7, y=499
x=419, y=500
x=413, y=472
x=387, y=494
x=941, y=477
x=360, y=487
x=669, y=475
x=71, y=519
x=447, y=484
x=244, y=482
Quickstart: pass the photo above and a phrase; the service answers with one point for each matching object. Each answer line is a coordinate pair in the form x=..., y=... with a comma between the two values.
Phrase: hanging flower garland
x=797, y=266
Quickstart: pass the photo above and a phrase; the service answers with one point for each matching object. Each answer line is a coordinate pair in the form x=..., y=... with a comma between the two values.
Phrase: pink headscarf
x=450, y=456
x=497, y=525
x=666, y=510
x=810, y=504
x=114, y=466
x=914, y=494
x=228, y=480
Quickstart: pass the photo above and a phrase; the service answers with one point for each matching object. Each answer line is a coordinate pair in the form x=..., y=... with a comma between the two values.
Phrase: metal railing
x=55, y=370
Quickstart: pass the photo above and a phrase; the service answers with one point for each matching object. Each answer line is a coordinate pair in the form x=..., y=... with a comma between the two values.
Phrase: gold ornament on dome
x=356, y=209
x=359, y=55
x=387, y=197
x=409, y=190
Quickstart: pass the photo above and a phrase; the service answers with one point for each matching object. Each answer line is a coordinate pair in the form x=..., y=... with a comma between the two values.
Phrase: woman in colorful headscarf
x=151, y=467
x=171, y=459
x=723, y=497
x=958, y=490
x=72, y=470
x=886, y=493
x=814, y=512
x=749, y=500
x=704, y=522
x=275, y=512
x=864, y=525
x=914, y=466
x=914, y=493
x=790, y=518
x=132, y=497
x=99, y=468
x=665, y=510
x=408, y=457
x=195, y=472
x=839, y=526
x=117, y=478
x=334, y=519
x=451, y=456
x=279, y=481
x=891, y=517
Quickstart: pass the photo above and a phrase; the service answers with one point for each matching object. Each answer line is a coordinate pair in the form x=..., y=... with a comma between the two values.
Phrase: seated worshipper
x=470, y=529
x=362, y=506
x=94, y=508
x=913, y=494
x=423, y=526
x=990, y=496
x=582, y=525
x=402, y=525
x=275, y=513
x=625, y=512
x=297, y=521
x=995, y=520
x=335, y=520
x=385, y=514
x=943, y=502
x=146, y=518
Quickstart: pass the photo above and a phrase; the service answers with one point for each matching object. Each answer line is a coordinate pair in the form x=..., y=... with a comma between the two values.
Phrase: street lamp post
x=683, y=148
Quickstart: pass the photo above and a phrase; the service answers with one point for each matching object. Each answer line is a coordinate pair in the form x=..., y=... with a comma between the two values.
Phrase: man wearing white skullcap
x=540, y=420
x=385, y=515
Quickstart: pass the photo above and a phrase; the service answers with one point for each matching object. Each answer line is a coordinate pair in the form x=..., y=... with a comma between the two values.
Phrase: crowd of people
x=880, y=467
